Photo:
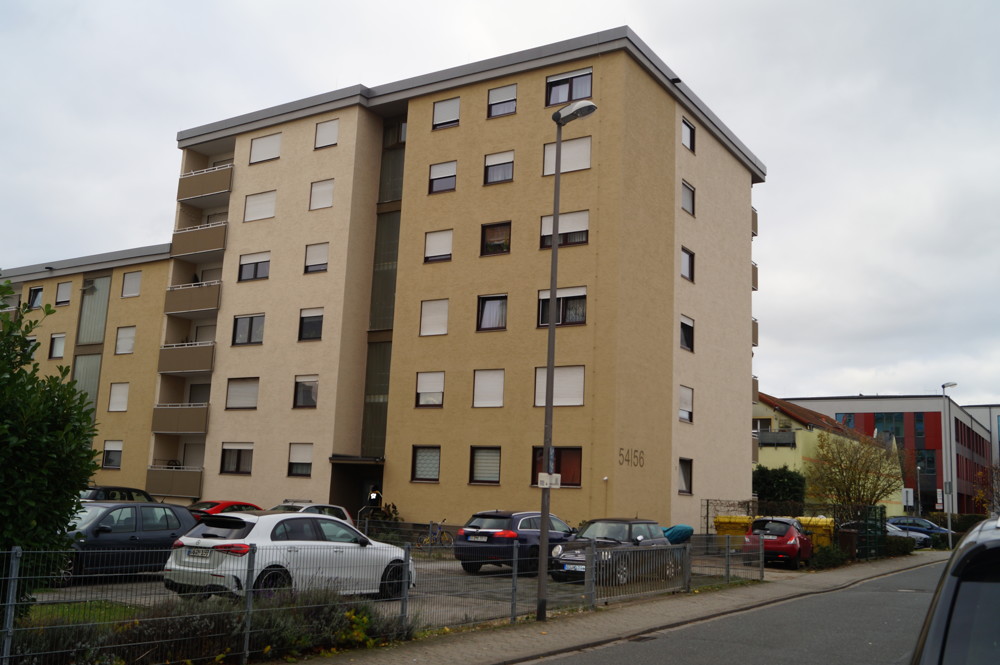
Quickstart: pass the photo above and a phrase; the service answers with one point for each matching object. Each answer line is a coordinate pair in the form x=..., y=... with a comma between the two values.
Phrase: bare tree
x=858, y=472
x=986, y=492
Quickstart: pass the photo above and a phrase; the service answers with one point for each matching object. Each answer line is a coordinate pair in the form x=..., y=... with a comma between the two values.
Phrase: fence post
x=590, y=574
x=10, y=602
x=687, y=567
x=513, y=584
x=248, y=603
x=404, y=602
x=729, y=549
x=760, y=554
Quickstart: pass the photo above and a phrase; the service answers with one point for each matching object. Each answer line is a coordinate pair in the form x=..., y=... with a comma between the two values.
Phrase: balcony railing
x=191, y=418
x=178, y=481
x=197, y=239
x=196, y=297
x=187, y=357
x=208, y=188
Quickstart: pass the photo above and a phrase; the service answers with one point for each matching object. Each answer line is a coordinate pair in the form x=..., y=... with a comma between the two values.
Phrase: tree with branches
x=851, y=472
x=986, y=489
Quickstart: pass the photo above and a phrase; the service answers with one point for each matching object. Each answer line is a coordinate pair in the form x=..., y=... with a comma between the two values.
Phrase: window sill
x=426, y=481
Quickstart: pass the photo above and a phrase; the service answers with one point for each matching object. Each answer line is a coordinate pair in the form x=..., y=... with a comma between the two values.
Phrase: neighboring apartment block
x=357, y=295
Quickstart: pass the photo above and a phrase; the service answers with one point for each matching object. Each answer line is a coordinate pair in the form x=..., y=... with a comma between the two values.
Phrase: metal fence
x=100, y=617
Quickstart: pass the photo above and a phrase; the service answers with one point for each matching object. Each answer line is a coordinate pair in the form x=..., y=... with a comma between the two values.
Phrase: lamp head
x=950, y=384
x=571, y=112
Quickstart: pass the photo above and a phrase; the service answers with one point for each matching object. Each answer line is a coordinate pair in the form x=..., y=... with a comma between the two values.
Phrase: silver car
x=293, y=551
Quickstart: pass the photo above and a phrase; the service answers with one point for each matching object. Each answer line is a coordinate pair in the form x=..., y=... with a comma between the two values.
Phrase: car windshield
x=606, y=530
x=86, y=516
x=488, y=522
x=770, y=528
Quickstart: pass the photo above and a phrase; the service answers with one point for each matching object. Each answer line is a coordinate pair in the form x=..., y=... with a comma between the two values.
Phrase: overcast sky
x=879, y=123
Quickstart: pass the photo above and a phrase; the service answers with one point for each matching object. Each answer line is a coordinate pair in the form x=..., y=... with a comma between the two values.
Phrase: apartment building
x=358, y=282
x=106, y=328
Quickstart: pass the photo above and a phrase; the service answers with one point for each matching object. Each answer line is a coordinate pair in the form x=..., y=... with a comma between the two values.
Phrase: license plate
x=573, y=568
x=770, y=537
x=199, y=552
x=478, y=539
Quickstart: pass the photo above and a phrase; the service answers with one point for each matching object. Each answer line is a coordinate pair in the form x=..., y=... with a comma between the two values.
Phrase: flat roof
x=394, y=94
x=103, y=261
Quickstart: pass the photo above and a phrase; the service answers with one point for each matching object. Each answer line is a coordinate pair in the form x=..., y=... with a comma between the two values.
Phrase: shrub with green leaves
x=827, y=557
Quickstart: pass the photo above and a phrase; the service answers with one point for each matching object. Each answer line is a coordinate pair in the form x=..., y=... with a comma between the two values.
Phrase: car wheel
x=793, y=563
x=393, y=584
x=471, y=567
x=272, y=581
x=617, y=572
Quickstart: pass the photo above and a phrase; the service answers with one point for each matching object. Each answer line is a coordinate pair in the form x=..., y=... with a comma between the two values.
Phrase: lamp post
x=566, y=114
x=918, y=491
x=949, y=485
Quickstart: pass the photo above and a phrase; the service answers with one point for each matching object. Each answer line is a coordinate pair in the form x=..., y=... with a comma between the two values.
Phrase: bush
x=897, y=546
x=827, y=557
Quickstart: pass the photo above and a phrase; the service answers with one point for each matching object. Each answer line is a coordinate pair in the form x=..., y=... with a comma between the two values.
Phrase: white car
x=294, y=551
x=322, y=508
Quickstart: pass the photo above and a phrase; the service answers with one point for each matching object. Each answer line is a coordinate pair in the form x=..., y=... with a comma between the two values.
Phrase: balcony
x=755, y=387
x=180, y=418
x=776, y=439
x=753, y=276
x=193, y=299
x=754, y=332
x=199, y=239
x=208, y=188
x=186, y=358
x=174, y=480
x=753, y=222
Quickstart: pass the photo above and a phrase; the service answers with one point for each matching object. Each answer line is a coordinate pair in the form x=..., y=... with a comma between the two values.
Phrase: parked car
x=109, y=493
x=293, y=551
x=125, y=537
x=617, y=559
x=316, y=508
x=918, y=524
x=920, y=540
x=960, y=625
x=202, y=508
x=488, y=537
x=785, y=540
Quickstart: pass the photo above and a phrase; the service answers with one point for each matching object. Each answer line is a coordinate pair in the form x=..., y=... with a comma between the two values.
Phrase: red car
x=203, y=508
x=784, y=538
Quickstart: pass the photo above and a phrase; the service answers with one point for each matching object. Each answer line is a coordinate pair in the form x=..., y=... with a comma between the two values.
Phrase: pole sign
x=549, y=480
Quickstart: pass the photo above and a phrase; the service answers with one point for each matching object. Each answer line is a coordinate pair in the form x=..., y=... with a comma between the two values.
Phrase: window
x=125, y=340
x=306, y=391
x=57, y=345
x=571, y=305
x=265, y=148
x=443, y=177
x=846, y=418
x=236, y=457
x=567, y=387
x=687, y=333
x=487, y=388
x=317, y=257
x=242, y=393
x=575, y=156
x=311, y=323
x=255, y=266
x=35, y=297
x=118, y=400
x=327, y=133
x=686, y=406
x=430, y=388
x=687, y=135
x=321, y=195
x=499, y=168
x=574, y=228
x=446, y=113
x=131, y=281
x=437, y=246
x=300, y=459
x=568, y=87
x=259, y=206
x=495, y=239
x=492, y=313
x=112, y=458
x=63, y=291
x=762, y=424
x=566, y=461
x=434, y=317
x=685, y=469
x=248, y=329
x=502, y=101
x=484, y=465
x=426, y=463
x=687, y=197
x=687, y=264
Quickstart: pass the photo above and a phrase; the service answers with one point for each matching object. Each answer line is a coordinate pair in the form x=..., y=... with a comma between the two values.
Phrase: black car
x=110, y=493
x=488, y=538
x=125, y=537
x=960, y=626
x=618, y=554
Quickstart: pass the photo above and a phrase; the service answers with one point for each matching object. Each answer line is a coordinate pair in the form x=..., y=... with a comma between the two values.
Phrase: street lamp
x=566, y=114
x=918, y=491
x=949, y=486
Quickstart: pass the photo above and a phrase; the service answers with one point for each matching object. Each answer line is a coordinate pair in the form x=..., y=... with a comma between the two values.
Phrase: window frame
x=487, y=390
x=688, y=201
x=296, y=456
x=64, y=298
x=415, y=463
x=251, y=271
x=685, y=398
x=567, y=397
x=434, y=322
x=474, y=452
x=116, y=446
x=118, y=397
x=310, y=268
x=125, y=345
x=243, y=457
x=485, y=244
x=494, y=102
x=685, y=476
x=572, y=80
x=136, y=287
x=266, y=201
x=447, y=120
x=334, y=122
x=35, y=296
x=687, y=333
x=435, y=241
x=560, y=455
x=443, y=182
x=309, y=319
x=424, y=398
x=571, y=294
x=496, y=172
x=269, y=145
x=689, y=255
x=688, y=135
x=482, y=302
x=321, y=193
x=306, y=390
x=572, y=156
x=62, y=346
x=251, y=327
x=577, y=222
x=242, y=381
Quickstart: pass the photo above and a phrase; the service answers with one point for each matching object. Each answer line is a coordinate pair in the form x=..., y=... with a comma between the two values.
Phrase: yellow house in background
x=787, y=435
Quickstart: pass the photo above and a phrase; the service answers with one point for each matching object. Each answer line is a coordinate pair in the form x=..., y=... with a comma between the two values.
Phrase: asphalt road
x=872, y=622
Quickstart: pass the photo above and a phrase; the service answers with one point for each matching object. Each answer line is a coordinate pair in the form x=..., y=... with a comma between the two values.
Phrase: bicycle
x=437, y=536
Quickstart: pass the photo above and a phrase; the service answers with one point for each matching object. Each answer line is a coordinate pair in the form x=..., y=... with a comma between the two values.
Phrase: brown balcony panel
x=753, y=222
x=199, y=239
x=756, y=390
x=195, y=298
x=180, y=419
x=755, y=332
x=186, y=358
x=753, y=278
x=180, y=482
x=205, y=189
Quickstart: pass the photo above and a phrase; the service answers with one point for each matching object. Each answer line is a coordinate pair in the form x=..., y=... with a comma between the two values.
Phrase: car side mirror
x=364, y=542
x=639, y=539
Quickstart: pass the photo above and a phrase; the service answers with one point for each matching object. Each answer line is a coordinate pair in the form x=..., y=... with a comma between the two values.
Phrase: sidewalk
x=506, y=644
